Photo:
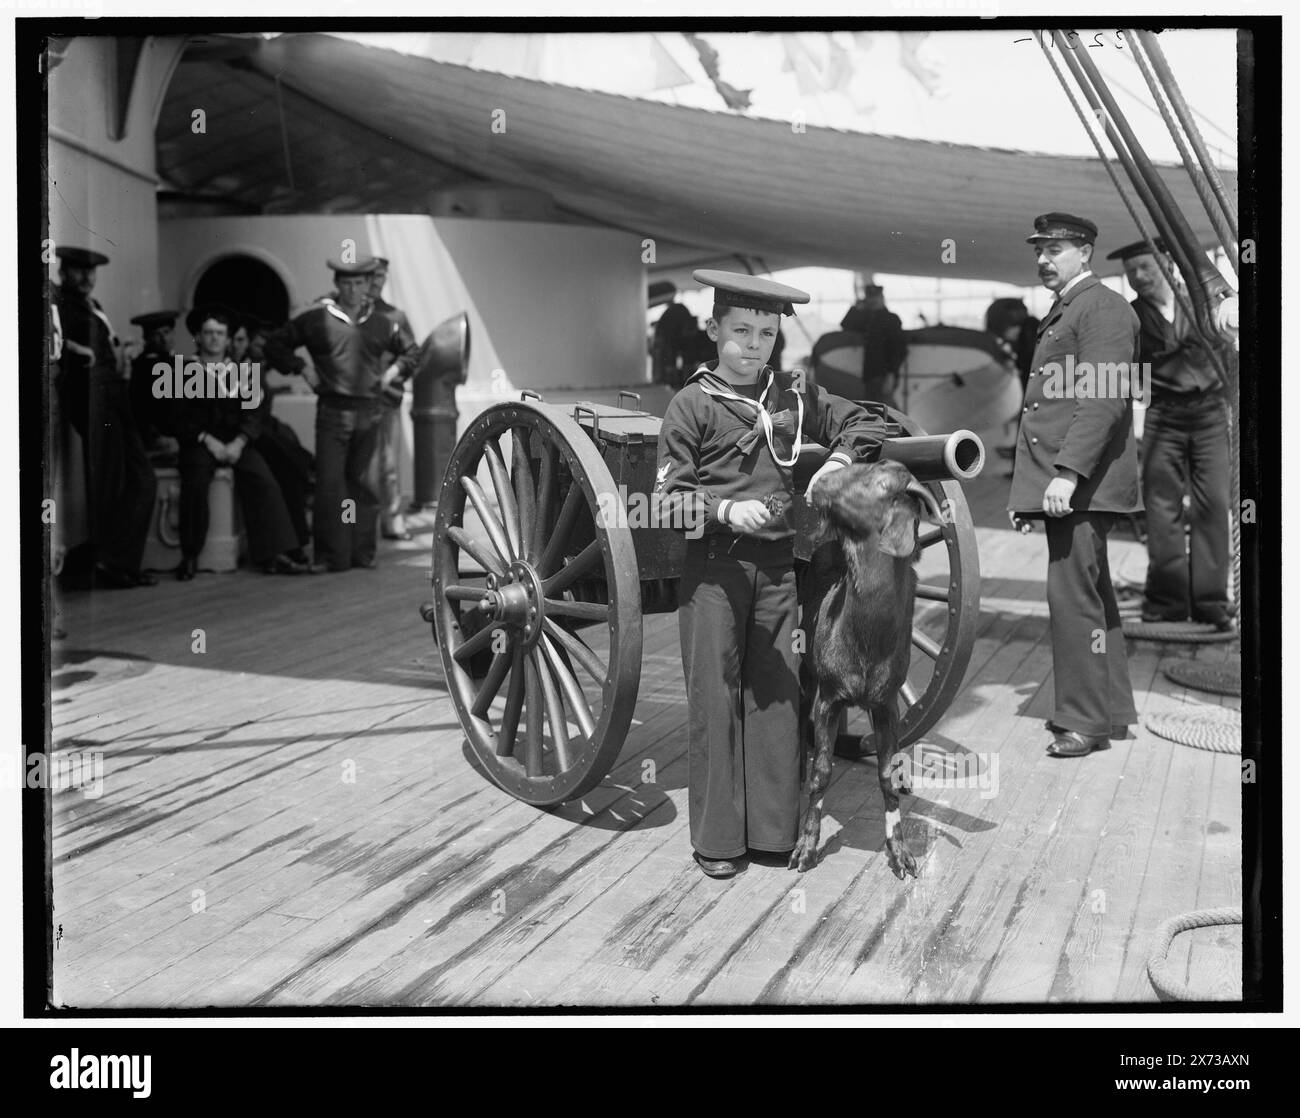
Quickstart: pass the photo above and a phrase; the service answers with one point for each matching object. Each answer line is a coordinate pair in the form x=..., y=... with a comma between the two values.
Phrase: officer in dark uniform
x=95, y=396
x=727, y=448
x=1185, y=452
x=149, y=411
x=1076, y=467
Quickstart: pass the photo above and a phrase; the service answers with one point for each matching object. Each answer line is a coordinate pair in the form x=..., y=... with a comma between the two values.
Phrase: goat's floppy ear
x=929, y=508
x=898, y=532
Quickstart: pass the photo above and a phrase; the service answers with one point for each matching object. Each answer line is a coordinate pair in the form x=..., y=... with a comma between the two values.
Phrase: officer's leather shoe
x=366, y=564
x=186, y=568
x=716, y=867
x=1071, y=743
x=396, y=531
x=144, y=579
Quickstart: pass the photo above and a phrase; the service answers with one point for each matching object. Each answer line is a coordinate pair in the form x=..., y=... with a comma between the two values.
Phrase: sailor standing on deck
x=1185, y=452
x=95, y=397
x=1076, y=467
x=358, y=353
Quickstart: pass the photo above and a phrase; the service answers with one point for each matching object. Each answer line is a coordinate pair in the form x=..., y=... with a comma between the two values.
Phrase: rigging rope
x=1203, y=190
x=1227, y=382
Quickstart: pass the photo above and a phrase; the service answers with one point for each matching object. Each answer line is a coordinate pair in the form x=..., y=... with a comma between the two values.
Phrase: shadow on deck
x=290, y=817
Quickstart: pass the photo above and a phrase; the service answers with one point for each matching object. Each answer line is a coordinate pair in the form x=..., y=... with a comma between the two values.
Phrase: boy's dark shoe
x=716, y=867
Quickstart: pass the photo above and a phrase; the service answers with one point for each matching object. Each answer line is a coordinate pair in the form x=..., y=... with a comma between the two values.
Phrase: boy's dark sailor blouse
x=713, y=451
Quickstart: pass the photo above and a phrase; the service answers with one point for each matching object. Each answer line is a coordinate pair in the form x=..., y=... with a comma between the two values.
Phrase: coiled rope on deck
x=1160, y=971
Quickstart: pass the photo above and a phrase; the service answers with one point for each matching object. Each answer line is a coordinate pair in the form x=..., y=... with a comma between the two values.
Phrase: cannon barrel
x=959, y=456
x=444, y=364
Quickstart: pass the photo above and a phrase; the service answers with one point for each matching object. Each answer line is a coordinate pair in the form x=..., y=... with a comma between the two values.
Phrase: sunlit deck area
x=290, y=817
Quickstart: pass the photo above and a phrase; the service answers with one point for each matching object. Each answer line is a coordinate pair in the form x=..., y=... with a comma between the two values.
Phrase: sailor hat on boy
x=735, y=289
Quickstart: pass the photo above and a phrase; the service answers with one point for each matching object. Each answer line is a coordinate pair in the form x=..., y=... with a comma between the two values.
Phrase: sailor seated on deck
x=216, y=430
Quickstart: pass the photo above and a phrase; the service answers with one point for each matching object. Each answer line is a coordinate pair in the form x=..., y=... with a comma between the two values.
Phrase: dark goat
x=858, y=620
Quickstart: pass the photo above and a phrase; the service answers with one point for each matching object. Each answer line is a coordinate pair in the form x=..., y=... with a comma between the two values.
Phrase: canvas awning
x=315, y=123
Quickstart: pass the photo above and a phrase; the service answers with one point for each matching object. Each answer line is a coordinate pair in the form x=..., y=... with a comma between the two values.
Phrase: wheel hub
x=516, y=600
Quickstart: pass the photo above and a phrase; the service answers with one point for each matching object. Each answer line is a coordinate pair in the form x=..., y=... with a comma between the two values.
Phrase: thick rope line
x=1203, y=190
x=1152, y=46
x=1167, y=986
x=1227, y=382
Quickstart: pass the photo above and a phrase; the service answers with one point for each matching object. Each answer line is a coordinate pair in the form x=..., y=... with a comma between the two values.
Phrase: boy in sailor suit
x=727, y=448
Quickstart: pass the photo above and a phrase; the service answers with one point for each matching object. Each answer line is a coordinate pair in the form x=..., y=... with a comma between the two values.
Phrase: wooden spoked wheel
x=536, y=602
x=947, y=609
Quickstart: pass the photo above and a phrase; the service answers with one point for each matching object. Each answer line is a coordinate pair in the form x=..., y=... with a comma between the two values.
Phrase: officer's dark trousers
x=737, y=614
x=1185, y=451
x=120, y=483
x=1089, y=662
x=347, y=444
x=266, y=520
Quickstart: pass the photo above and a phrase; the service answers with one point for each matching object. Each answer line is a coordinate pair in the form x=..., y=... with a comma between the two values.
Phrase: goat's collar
x=711, y=384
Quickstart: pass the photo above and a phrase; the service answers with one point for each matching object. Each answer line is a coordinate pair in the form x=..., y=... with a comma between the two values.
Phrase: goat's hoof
x=900, y=859
x=804, y=856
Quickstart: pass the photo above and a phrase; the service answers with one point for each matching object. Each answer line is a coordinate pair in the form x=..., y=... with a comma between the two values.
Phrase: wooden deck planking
x=1117, y=876
x=244, y=758
x=456, y=891
x=933, y=943
x=383, y=892
x=1098, y=908
x=1170, y=886
x=409, y=844
x=993, y=658
x=203, y=855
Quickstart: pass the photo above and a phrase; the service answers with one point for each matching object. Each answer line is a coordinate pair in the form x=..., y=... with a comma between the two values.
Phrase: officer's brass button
x=1035, y=407
x=1026, y=409
x=1034, y=440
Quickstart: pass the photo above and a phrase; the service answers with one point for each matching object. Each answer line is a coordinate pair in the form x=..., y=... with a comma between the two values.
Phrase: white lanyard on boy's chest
x=759, y=406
